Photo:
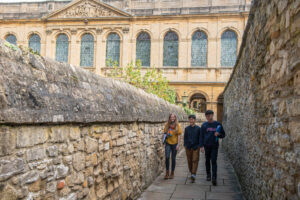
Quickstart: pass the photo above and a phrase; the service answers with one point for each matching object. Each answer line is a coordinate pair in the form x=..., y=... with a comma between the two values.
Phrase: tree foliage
x=152, y=81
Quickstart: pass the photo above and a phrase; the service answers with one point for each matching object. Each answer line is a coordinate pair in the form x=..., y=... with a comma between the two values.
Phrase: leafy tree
x=152, y=81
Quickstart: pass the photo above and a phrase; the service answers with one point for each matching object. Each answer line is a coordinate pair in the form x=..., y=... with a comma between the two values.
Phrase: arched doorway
x=220, y=107
x=198, y=102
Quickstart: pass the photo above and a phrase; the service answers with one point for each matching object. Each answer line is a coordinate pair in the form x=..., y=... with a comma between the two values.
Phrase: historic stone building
x=194, y=42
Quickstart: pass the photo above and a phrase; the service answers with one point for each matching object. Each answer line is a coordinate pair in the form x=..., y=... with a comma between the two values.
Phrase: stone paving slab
x=181, y=187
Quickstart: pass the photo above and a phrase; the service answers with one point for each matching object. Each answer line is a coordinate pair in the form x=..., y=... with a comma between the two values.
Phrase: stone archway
x=220, y=107
x=198, y=102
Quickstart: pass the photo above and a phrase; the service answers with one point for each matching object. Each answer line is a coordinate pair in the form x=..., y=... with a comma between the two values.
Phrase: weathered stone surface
x=8, y=168
x=29, y=177
x=61, y=171
x=91, y=145
x=79, y=161
x=8, y=193
x=59, y=134
x=52, y=151
x=261, y=103
x=7, y=141
x=100, y=100
x=30, y=136
x=37, y=153
x=78, y=132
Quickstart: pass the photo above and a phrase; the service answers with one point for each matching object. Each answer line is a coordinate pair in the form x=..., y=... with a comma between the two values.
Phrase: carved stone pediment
x=88, y=9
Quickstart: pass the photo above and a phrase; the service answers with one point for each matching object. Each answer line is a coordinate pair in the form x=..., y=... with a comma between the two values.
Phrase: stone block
x=106, y=137
x=8, y=193
x=52, y=151
x=294, y=127
x=74, y=133
x=78, y=161
x=7, y=141
x=29, y=177
x=30, y=136
x=35, y=154
x=91, y=159
x=91, y=145
x=9, y=168
x=59, y=133
x=121, y=141
x=61, y=171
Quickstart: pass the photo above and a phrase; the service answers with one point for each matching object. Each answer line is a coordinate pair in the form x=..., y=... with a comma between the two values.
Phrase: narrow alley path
x=181, y=188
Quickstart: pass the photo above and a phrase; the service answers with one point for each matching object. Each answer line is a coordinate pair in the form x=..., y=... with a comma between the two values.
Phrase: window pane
x=143, y=46
x=113, y=49
x=87, y=50
x=228, y=48
x=62, y=48
x=35, y=43
x=11, y=39
x=171, y=49
x=199, y=49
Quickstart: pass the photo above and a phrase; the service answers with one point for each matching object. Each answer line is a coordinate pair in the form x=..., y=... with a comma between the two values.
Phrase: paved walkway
x=181, y=188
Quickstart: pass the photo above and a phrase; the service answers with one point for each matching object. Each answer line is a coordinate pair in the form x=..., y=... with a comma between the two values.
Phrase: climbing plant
x=152, y=81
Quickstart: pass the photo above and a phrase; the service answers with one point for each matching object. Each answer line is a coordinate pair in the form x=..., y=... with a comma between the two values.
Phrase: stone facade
x=66, y=133
x=213, y=17
x=261, y=103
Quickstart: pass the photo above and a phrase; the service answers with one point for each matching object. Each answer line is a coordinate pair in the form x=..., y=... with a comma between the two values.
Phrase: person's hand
x=217, y=134
x=202, y=149
x=177, y=147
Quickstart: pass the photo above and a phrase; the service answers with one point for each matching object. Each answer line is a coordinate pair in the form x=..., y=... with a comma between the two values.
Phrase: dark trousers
x=211, y=154
x=170, y=149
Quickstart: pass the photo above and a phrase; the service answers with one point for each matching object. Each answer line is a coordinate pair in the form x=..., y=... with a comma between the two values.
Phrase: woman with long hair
x=172, y=132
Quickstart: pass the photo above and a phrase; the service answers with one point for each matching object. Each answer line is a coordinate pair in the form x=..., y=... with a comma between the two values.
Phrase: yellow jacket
x=175, y=133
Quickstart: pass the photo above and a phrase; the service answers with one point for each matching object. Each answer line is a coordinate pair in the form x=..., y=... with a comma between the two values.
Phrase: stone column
x=125, y=48
x=74, y=54
x=97, y=48
x=48, y=47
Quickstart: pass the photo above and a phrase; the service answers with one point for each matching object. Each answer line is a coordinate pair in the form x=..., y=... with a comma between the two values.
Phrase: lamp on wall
x=184, y=99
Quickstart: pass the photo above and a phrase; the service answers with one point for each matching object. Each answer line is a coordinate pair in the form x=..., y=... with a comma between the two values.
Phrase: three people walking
x=205, y=139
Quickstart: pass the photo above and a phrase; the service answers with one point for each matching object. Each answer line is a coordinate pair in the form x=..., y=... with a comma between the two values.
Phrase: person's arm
x=179, y=136
x=185, y=137
x=165, y=128
x=222, y=132
x=202, y=132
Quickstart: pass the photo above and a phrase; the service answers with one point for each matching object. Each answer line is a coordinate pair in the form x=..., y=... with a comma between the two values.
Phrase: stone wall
x=66, y=133
x=262, y=103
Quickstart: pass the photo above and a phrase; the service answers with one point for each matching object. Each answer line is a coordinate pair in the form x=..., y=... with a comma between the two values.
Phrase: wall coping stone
x=37, y=90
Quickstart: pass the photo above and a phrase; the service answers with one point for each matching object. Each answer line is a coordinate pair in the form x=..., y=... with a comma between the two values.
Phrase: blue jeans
x=170, y=148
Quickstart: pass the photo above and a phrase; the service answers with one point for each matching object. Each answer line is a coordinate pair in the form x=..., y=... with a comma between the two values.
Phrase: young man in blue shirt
x=211, y=131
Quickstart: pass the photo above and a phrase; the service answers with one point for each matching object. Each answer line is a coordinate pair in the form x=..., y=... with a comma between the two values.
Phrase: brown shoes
x=172, y=175
x=167, y=175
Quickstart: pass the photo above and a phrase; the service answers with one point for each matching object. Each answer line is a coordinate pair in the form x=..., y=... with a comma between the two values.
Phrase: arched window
x=199, y=49
x=87, y=50
x=113, y=49
x=170, y=49
x=143, y=46
x=11, y=39
x=35, y=43
x=228, y=48
x=62, y=48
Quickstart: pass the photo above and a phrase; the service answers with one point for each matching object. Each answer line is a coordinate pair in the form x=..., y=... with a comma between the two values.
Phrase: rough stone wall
x=102, y=161
x=66, y=133
x=262, y=103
